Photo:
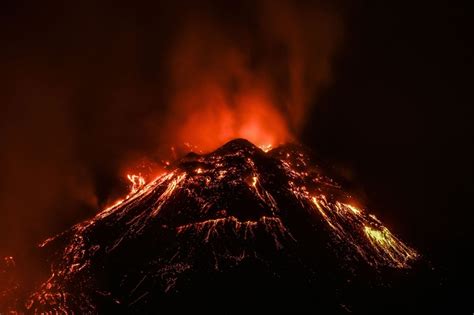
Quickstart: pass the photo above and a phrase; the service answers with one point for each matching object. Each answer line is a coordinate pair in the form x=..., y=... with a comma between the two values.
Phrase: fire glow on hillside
x=198, y=201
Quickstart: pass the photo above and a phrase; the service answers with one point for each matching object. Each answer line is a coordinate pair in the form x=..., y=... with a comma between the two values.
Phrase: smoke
x=253, y=79
x=87, y=90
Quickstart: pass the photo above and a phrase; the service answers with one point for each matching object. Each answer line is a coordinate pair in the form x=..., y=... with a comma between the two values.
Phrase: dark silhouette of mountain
x=237, y=227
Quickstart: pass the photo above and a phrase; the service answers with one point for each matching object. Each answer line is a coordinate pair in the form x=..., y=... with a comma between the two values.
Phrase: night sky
x=398, y=121
x=84, y=92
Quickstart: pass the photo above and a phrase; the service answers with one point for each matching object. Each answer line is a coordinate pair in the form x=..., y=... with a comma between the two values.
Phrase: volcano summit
x=237, y=225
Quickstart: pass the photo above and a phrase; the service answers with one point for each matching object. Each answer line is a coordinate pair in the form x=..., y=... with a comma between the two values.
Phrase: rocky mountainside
x=238, y=226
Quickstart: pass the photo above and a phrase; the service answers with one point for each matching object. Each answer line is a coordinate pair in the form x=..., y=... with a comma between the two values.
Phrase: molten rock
x=236, y=225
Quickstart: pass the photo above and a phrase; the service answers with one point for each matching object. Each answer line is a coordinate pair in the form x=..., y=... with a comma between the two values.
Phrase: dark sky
x=399, y=120
x=79, y=88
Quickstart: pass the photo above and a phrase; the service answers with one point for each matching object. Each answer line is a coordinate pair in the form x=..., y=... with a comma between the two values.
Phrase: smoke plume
x=89, y=89
x=253, y=79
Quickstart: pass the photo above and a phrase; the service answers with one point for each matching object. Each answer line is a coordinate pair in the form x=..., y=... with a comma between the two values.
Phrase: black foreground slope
x=236, y=227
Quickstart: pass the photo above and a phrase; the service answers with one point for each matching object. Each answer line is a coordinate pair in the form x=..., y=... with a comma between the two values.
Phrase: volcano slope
x=239, y=227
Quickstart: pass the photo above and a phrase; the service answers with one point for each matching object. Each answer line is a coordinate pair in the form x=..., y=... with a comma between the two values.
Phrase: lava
x=234, y=205
x=137, y=182
x=388, y=249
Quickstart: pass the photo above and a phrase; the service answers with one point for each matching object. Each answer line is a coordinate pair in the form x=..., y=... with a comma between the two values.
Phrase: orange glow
x=211, y=120
x=218, y=97
x=252, y=83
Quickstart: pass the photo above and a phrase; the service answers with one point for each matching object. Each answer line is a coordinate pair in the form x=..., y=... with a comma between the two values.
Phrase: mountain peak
x=235, y=214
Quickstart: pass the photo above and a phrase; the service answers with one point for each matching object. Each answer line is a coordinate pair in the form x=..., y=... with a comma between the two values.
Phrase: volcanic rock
x=237, y=227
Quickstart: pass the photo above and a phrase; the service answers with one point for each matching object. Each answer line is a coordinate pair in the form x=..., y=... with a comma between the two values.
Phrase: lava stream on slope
x=237, y=214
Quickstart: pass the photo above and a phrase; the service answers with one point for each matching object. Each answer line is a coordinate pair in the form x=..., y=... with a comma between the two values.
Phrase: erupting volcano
x=228, y=226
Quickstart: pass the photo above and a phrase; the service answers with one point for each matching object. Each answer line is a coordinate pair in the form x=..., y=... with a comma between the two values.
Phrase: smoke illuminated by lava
x=253, y=81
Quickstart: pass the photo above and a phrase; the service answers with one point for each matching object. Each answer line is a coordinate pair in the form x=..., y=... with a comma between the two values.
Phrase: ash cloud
x=89, y=89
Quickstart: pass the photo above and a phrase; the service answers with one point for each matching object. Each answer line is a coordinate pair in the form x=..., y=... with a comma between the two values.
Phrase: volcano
x=238, y=226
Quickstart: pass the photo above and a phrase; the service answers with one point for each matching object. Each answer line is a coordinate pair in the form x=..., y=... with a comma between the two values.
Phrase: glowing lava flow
x=137, y=182
x=238, y=203
x=384, y=249
x=266, y=147
x=347, y=223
